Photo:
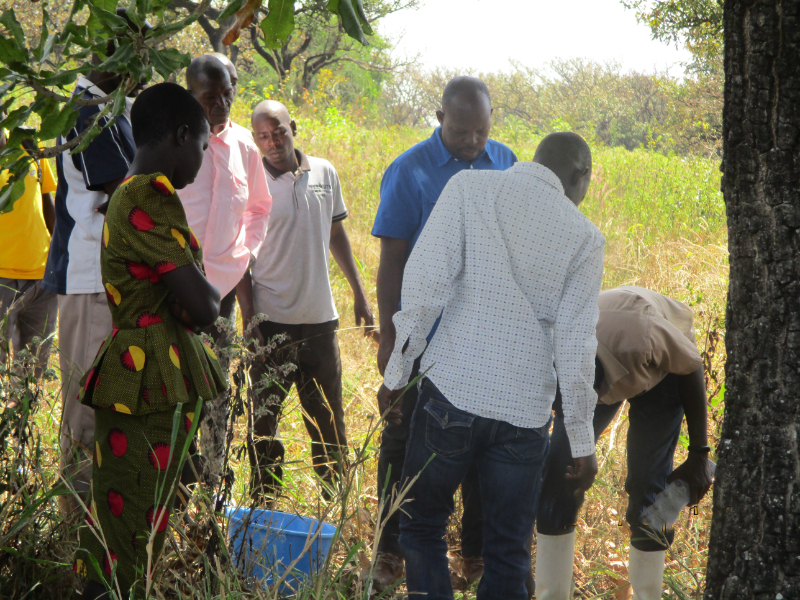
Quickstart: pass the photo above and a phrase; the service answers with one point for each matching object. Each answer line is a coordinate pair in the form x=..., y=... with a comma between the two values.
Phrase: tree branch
x=207, y=26
x=262, y=52
x=40, y=89
x=193, y=6
x=53, y=151
x=199, y=10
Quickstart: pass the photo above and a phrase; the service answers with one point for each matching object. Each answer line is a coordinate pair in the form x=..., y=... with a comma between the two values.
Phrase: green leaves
x=166, y=62
x=10, y=193
x=12, y=47
x=110, y=19
x=46, y=40
x=122, y=56
x=352, y=17
x=99, y=15
x=230, y=10
x=57, y=121
x=9, y=20
x=17, y=164
x=279, y=23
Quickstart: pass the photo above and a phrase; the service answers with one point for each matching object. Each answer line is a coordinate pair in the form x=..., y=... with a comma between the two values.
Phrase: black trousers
x=314, y=350
x=655, y=419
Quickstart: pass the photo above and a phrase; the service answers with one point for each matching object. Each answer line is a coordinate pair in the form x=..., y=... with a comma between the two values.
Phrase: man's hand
x=696, y=472
x=390, y=404
x=583, y=473
x=363, y=312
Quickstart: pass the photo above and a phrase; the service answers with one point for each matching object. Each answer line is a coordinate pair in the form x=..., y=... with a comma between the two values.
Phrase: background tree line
x=319, y=66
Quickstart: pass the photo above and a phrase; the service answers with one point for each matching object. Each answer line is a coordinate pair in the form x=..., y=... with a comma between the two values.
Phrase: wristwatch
x=699, y=449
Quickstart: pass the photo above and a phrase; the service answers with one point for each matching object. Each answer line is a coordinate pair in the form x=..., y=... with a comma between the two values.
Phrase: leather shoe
x=389, y=568
x=472, y=569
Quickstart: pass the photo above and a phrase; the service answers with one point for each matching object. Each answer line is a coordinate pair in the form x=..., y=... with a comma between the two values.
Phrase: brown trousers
x=84, y=321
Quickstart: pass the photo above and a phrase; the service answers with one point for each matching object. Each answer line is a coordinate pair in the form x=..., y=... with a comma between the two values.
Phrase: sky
x=485, y=34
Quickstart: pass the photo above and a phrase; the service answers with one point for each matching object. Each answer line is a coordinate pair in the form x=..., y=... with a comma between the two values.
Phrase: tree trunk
x=754, y=550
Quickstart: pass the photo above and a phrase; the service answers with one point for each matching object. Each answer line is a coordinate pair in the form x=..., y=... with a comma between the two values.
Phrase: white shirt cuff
x=581, y=438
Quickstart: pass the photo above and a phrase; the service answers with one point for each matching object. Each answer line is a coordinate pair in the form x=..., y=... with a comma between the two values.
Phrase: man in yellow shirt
x=24, y=243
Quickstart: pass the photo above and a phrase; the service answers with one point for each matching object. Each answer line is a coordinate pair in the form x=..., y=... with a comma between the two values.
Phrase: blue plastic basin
x=265, y=542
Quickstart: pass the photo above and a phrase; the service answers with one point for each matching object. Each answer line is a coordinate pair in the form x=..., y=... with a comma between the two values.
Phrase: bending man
x=646, y=353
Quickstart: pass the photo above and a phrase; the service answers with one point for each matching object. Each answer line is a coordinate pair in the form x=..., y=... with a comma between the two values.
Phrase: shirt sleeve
x=428, y=282
x=400, y=210
x=48, y=182
x=158, y=231
x=673, y=352
x=339, y=209
x=104, y=160
x=259, y=203
x=576, y=345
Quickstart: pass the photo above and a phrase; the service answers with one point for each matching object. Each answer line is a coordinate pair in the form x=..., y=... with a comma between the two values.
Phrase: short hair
x=208, y=65
x=466, y=87
x=271, y=109
x=227, y=62
x=563, y=150
x=159, y=110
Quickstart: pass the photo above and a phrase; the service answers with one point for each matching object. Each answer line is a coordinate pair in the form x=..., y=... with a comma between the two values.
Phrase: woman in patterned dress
x=153, y=372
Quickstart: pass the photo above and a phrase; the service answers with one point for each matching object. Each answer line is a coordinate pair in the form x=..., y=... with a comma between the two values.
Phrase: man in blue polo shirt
x=409, y=191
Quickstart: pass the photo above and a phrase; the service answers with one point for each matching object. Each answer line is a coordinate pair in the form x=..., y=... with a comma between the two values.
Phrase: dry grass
x=665, y=230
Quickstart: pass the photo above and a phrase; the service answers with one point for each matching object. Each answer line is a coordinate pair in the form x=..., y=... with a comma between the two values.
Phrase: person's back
x=515, y=270
x=410, y=189
x=24, y=243
x=522, y=240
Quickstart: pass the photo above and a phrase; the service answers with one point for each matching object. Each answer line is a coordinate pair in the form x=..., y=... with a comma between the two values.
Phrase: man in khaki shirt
x=647, y=354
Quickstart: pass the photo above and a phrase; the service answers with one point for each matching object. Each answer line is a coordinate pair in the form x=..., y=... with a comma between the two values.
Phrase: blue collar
x=443, y=155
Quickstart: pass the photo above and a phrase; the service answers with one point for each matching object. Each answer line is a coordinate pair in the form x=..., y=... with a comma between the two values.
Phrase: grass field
x=664, y=222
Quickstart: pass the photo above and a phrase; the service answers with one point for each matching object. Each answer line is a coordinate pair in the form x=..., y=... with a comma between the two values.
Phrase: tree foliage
x=298, y=40
x=600, y=101
x=697, y=23
x=39, y=67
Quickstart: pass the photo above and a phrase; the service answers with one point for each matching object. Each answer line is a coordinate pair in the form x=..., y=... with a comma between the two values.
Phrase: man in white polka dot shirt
x=515, y=270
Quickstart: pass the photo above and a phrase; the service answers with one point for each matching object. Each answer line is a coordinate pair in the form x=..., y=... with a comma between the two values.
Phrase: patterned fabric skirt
x=133, y=490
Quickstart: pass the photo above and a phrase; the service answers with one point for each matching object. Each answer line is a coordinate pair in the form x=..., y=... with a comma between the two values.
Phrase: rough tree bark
x=754, y=550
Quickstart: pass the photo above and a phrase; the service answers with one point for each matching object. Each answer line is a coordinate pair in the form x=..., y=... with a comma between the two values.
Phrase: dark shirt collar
x=443, y=155
x=302, y=160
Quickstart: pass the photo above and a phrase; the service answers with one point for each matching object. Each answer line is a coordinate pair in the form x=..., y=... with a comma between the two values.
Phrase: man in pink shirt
x=228, y=208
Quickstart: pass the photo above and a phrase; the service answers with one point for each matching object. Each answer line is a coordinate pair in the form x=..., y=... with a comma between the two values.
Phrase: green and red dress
x=148, y=365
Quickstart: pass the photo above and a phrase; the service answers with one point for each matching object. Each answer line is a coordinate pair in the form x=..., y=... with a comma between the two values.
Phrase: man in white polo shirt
x=291, y=286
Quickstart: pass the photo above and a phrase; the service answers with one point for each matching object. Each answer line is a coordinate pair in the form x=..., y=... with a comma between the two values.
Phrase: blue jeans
x=655, y=425
x=391, y=459
x=444, y=443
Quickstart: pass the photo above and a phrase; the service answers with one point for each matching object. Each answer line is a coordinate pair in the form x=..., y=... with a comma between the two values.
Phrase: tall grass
x=664, y=222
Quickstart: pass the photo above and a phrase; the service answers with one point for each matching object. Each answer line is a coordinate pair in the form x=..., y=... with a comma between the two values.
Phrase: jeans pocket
x=529, y=444
x=448, y=432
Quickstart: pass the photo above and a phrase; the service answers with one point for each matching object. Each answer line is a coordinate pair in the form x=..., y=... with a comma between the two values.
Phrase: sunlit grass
x=664, y=223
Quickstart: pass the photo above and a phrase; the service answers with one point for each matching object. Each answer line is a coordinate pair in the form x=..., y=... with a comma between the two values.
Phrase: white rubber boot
x=555, y=555
x=646, y=574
